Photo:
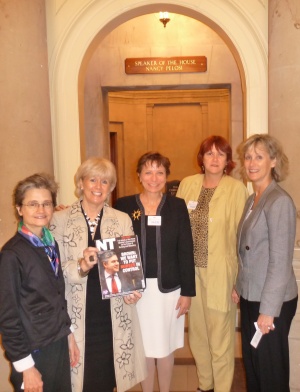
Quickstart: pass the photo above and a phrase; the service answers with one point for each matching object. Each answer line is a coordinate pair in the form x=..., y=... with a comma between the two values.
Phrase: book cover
x=120, y=266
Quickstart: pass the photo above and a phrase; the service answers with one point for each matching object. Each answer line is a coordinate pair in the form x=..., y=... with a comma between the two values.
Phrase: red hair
x=220, y=144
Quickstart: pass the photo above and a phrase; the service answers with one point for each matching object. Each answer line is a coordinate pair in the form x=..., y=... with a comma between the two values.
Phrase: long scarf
x=47, y=242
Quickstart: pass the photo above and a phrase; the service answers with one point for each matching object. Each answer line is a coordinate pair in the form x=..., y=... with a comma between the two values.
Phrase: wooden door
x=173, y=123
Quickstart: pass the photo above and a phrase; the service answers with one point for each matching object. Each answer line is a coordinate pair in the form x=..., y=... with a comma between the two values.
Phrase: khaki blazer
x=225, y=210
x=70, y=231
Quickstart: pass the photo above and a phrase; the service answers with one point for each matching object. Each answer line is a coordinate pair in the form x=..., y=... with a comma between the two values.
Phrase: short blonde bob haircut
x=95, y=167
x=273, y=147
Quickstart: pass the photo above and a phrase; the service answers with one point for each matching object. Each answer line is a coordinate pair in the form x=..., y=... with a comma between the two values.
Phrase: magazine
x=120, y=266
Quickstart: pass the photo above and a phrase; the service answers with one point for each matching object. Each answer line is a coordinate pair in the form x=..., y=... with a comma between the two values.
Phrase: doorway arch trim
x=69, y=46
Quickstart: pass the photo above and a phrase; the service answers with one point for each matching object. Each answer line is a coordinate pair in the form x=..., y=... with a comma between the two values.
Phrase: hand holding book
x=132, y=298
x=120, y=267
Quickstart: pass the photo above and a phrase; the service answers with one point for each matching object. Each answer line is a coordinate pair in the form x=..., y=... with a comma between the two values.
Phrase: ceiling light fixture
x=164, y=18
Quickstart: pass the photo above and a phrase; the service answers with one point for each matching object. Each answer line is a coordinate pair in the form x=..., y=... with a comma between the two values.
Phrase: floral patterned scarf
x=47, y=242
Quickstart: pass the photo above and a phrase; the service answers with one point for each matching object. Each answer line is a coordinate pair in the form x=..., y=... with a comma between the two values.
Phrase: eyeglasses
x=35, y=205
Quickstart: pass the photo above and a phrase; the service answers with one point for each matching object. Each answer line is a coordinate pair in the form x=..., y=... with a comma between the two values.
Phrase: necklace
x=92, y=224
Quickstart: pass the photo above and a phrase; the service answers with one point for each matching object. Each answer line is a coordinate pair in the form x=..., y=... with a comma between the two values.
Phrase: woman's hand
x=89, y=259
x=32, y=379
x=235, y=297
x=132, y=298
x=74, y=352
x=265, y=323
x=183, y=304
x=60, y=207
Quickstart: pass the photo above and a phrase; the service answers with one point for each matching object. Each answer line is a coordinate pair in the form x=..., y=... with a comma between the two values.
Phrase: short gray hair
x=35, y=181
x=107, y=254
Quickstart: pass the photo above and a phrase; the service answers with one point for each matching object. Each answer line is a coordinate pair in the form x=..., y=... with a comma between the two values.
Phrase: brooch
x=136, y=215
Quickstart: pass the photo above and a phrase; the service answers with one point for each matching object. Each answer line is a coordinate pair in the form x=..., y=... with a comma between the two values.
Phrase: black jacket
x=33, y=310
x=174, y=242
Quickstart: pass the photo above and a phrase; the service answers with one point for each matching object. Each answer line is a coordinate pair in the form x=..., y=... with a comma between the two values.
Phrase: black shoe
x=201, y=390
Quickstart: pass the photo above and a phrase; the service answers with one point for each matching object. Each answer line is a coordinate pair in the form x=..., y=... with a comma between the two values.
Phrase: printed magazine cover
x=120, y=266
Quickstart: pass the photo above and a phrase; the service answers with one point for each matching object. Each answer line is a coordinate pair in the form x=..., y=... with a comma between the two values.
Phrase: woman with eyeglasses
x=34, y=323
x=107, y=330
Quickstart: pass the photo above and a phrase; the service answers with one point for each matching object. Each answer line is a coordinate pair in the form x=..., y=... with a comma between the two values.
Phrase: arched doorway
x=71, y=50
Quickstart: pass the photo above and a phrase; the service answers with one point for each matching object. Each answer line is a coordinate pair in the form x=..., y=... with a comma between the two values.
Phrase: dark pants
x=53, y=363
x=267, y=366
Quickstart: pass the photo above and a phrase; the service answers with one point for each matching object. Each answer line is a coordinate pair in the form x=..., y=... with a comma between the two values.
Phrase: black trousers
x=53, y=362
x=267, y=366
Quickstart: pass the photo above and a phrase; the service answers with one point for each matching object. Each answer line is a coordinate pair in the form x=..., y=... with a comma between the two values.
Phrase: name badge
x=192, y=205
x=154, y=220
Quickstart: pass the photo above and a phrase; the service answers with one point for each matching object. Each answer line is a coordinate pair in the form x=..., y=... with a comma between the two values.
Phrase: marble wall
x=25, y=135
x=284, y=81
x=284, y=124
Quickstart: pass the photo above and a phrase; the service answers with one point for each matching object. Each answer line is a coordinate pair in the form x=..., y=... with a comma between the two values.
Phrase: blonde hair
x=98, y=167
x=275, y=151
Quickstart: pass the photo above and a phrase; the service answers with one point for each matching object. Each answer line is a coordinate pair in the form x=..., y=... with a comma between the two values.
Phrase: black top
x=33, y=310
x=99, y=373
x=151, y=252
x=174, y=243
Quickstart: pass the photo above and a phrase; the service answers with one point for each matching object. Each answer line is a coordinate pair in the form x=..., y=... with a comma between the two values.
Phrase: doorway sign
x=150, y=65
